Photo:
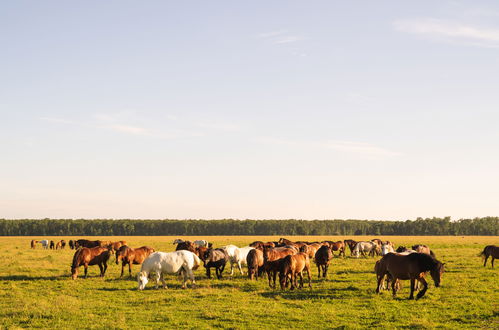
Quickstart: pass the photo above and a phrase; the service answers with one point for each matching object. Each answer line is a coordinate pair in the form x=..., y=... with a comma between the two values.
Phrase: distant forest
x=107, y=227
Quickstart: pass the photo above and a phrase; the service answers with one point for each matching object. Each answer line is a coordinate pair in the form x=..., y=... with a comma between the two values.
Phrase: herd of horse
x=284, y=259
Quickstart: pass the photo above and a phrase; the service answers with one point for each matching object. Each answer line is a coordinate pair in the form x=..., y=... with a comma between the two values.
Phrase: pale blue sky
x=263, y=109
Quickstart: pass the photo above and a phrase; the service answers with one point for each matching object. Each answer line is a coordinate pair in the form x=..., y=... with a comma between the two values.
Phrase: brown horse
x=409, y=267
x=273, y=268
x=52, y=245
x=33, y=243
x=200, y=252
x=130, y=256
x=490, y=251
x=71, y=244
x=310, y=249
x=58, y=245
x=89, y=257
x=186, y=245
x=420, y=248
x=270, y=255
x=261, y=245
x=86, y=243
x=293, y=266
x=338, y=246
x=255, y=261
x=284, y=241
x=322, y=258
x=351, y=244
x=63, y=244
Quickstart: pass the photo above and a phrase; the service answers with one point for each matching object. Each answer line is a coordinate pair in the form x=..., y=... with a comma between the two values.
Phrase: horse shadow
x=32, y=278
x=306, y=293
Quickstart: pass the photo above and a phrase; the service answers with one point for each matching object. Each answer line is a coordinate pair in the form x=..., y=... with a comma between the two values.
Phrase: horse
x=178, y=240
x=270, y=256
x=338, y=246
x=261, y=245
x=386, y=248
x=44, y=243
x=285, y=241
x=52, y=245
x=322, y=258
x=58, y=245
x=237, y=256
x=201, y=242
x=294, y=265
x=71, y=244
x=215, y=258
x=255, y=262
x=490, y=251
x=273, y=268
x=63, y=244
x=420, y=248
x=86, y=243
x=33, y=243
x=363, y=247
x=310, y=249
x=130, y=256
x=89, y=257
x=179, y=262
x=351, y=244
x=186, y=245
x=410, y=267
x=200, y=251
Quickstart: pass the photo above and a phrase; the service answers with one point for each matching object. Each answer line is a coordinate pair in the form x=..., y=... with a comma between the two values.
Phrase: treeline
x=428, y=226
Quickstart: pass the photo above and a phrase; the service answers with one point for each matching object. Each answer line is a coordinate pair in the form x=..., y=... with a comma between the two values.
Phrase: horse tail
x=197, y=262
x=484, y=252
x=432, y=254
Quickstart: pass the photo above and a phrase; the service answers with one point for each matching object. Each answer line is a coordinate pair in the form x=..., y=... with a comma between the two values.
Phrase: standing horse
x=363, y=247
x=351, y=244
x=386, y=248
x=237, y=256
x=52, y=245
x=58, y=245
x=270, y=261
x=410, y=267
x=490, y=251
x=86, y=243
x=322, y=258
x=255, y=262
x=186, y=245
x=89, y=257
x=33, y=243
x=44, y=243
x=293, y=266
x=215, y=258
x=129, y=256
x=179, y=262
x=71, y=244
x=338, y=246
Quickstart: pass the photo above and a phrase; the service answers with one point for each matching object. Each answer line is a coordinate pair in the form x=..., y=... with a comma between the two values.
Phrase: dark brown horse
x=284, y=241
x=293, y=266
x=409, y=267
x=89, y=257
x=130, y=256
x=323, y=257
x=270, y=258
x=255, y=262
x=215, y=258
x=186, y=245
x=490, y=251
x=71, y=244
x=86, y=243
x=200, y=252
x=52, y=245
x=63, y=244
x=351, y=244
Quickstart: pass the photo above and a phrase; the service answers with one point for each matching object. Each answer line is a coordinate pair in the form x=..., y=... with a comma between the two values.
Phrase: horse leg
x=86, y=269
x=394, y=289
x=380, y=283
x=158, y=277
x=208, y=273
x=101, y=269
x=319, y=270
x=301, y=279
x=240, y=267
x=425, y=287
x=162, y=278
x=309, y=278
x=492, y=261
x=485, y=262
x=130, y=268
x=231, y=268
x=122, y=268
x=105, y=268
x=184, y=278
x=413, y=280
x=190, y=273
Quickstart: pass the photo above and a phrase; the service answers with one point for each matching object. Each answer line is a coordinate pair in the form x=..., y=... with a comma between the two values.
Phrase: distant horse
x=310, y=249
x=89, y=257
x=52, y=245
x=237, y=256
x=44, y=243
x=33, y=243
x=87, y=243
x=292, y=267
x=338, y=246
x=179, y=262
x=215, y=258
x=71, y=244
x=420, y=248
x=63, y=244
x=130, y=256
x=261, y=245
x=285, y=241
x=201, y=242
x=186, y=245
x=178, y=240
x=58, y=245
x=363, y=248
x=255, y=262
x=410, y=267
x=490, y=251
x=323, y=257
x=386, y=248
x=351, y=244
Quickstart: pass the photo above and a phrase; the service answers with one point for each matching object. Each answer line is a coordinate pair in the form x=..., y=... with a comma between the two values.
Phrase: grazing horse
x=63, y=244
x=338, y=246
x=130, y=256
x=490, y=251
x=255, y=262
x=179, y=262
x=33, y=243
x=72, y=244
x=293, y=266
x=186, y=245
x=363, y=247
x=237, y=256
x=323, y=257
x=420, y=248
x=351, y=244
x=58, y=245
x=409, y=267
x=89, y=257
x=215, y=258
x=86, y=243
x=44, y=243
x=178, y=240
x=52, y=245
x=386, y=248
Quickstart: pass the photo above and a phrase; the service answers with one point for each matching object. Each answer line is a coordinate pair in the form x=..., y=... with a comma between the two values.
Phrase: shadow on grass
x=32, y=278
x=306, y=293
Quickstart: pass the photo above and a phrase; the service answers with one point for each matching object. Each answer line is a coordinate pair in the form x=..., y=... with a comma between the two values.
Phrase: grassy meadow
x=36, y=292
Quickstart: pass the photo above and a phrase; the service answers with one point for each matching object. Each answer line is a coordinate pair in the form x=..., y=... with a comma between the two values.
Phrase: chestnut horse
x=490, y=251
x=130, y=256
x=89, y=257
x=255, y=262
x=322, y=258
x=293, y=266
x=338, y=246
x=186, y=245
x=273, y=254
x=33, y=243
x=409, y=267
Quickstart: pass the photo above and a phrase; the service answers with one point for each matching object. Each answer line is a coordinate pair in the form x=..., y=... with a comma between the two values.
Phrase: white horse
x=237, y=256
x=179, y=262
x=201, y=242
x=386, y=248
x=363, y=247
x=44, y=243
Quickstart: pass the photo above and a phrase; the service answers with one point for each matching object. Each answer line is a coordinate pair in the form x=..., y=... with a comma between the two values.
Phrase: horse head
x=436, y=273
x=142, y=280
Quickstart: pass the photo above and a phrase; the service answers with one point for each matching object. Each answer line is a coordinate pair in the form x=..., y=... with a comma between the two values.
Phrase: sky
x=258, y=109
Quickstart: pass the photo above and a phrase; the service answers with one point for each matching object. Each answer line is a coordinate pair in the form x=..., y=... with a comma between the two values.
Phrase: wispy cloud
x=360, y=148
x=449, y=31
x=280, y=37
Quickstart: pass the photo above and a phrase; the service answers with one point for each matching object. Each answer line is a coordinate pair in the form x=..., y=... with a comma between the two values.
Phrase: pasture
x=36, y=291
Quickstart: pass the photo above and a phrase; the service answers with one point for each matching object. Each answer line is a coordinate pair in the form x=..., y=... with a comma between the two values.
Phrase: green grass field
x=36, y=291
